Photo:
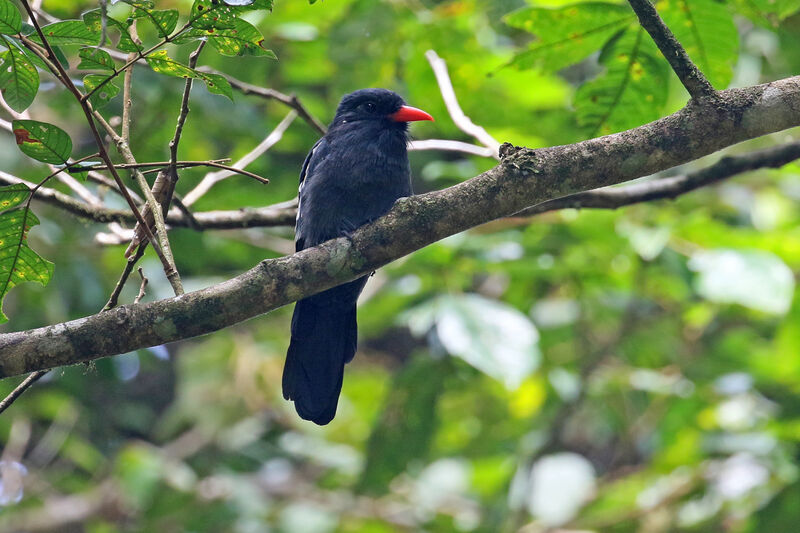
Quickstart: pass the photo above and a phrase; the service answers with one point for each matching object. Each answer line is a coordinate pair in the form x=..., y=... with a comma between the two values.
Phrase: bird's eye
x=369, y=106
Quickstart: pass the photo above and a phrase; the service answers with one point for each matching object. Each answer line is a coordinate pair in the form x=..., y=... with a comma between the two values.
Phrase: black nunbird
x=352, y=176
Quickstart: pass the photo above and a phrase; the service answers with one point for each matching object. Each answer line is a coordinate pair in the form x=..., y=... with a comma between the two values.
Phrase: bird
x=351, y=176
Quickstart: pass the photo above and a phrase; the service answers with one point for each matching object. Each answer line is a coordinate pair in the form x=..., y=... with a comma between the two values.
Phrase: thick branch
x=674, y=186
x=524, y=177
x=607, y=198
x=690, y=76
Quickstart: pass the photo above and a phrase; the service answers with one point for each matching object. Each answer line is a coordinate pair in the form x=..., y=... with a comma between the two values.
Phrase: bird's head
x=377, y=105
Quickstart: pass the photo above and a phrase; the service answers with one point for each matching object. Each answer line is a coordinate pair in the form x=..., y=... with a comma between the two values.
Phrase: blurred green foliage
x=626, y=371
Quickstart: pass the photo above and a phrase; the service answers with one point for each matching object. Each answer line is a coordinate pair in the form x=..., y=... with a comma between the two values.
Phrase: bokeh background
x=634, y=370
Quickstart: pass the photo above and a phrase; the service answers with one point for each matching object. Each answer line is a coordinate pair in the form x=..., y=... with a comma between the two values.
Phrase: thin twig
x=184, y=164
x=184, y=112
x=212, y=178
x=130, y=263
x=183, y=208
x=459, y=117
x=691, y=77
x=452, y=146
x=278, y=215
x=22, y=387
x=127, y=101
x=271, y=94
x=142, y=287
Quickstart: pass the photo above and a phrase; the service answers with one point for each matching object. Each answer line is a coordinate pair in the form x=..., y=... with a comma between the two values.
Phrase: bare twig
x=271, y=94
x=22, y=387
x=127, y=101
x=452, y=146
x=142, y=287
x=459, y=118
x=184, y=112
x=269, y=216
x=216, y=163
x=126, y=272
x=212, y=178
x=184, y=209
x=691, y=77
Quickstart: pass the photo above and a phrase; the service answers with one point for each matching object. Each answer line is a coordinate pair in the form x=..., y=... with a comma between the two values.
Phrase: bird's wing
x=316, y=154
x=308, y=165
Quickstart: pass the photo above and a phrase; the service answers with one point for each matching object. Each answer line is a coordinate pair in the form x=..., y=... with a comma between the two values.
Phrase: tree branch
x=672, y=187
x=210, y=179
x=690, y=76
x=608, y=198
x=22, y=387
x=524, y=177
x=460, y=119
x=271, y=94
x=282, y=214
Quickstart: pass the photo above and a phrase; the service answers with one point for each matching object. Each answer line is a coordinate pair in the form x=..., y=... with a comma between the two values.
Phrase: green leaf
x=93, y=20
x=706, y=30
x=36, y=60
x=632, y=91
x=569, y=34
x=42, y=141
x=69, y=32
x=163, y=64
x=144, y=4
x=242, y=39
x=160, y=62
x=18, y=263
x=216, y=84
x=408, y=416
x=95, y=59
x=13, y=195
x=254, y=6
x=104, y=94
x=212, y=14
x=19, y=80
x=164, y=21
x=10, y=19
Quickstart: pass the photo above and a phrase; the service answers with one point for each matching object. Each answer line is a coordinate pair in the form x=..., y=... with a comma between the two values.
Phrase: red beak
x=409, y=114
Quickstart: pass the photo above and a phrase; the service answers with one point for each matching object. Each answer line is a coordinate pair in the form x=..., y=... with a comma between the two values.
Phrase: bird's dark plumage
x=352, y=176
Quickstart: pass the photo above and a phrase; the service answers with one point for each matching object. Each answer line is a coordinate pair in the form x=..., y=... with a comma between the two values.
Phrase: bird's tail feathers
x=323, y=341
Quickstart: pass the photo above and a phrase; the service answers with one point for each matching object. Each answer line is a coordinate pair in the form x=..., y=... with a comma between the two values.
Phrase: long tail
x=324, y=337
